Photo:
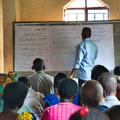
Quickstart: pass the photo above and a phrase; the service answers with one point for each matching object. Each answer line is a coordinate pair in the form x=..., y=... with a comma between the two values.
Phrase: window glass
x=95, y=3
x=76, y=10
x=76, y=4
x=74, y=15
x=97, y=15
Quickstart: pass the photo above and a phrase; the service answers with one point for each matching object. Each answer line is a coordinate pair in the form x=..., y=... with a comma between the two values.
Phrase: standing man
x=86, y=54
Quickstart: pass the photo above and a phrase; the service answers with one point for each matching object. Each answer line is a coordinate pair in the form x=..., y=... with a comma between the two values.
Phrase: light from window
x=76, y=10
x=97, y=15
x=74, y=15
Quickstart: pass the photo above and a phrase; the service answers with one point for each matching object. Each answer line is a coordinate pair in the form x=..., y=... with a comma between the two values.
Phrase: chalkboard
x=55, y=42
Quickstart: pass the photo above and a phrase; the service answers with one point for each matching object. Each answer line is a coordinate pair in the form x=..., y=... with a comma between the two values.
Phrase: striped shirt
x=61, y=111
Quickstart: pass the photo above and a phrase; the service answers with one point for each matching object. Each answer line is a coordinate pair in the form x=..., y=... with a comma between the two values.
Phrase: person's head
x=116, y=70
x=38, y=64
x=14, y=95
x=91, y=93
x=2, y=78
x=114, y=112
x=88, y=114
x=24, y=80
x=68, y=89
x=58, y=79
x=12, y=75
x=86, y=32
x=109, y=83
x=97, y=71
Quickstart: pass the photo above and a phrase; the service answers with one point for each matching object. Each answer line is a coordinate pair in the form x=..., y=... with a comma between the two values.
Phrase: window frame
x=86, y=9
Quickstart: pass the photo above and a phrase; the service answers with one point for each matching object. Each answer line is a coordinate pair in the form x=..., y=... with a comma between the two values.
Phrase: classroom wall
x=114, y=8
x=39, y=10
x=1, y=37
x=52, y=10
x=33, y=10
x=8, y=17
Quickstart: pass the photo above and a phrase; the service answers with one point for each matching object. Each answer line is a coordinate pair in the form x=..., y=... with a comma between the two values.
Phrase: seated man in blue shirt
x=86, y=54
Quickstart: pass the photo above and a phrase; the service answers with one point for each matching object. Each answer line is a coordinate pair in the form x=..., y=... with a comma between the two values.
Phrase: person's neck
x=7, y=109
x=111, y=94
x=66, y=99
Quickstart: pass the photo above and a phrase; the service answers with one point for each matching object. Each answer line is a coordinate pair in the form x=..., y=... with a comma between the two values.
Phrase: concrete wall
x=8, y=17
x=52, y=10
x=39, y=10
x=1, y=37
x=114, y=8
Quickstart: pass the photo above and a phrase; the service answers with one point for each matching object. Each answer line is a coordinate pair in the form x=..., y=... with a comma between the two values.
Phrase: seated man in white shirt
x=33, y=102
x=40, y=81
x=109, y=83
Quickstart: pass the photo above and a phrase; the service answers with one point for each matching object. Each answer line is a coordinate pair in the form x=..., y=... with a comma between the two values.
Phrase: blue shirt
x=52, y=99
x=86, y=54
x=111, y=101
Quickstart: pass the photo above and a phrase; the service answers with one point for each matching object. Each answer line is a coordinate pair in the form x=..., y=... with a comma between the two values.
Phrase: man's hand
x=72, y=72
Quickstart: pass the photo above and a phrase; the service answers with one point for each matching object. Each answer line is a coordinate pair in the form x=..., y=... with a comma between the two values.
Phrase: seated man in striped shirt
x=64, y=109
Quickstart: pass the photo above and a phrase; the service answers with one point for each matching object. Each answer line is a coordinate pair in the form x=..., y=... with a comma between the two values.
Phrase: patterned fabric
x=1, y=100
x=86, y=54
x=32, y=103
x=1, y=90
x=26, y=116
x=61, y=111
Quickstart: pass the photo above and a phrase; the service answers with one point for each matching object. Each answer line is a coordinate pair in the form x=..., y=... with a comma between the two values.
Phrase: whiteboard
x=56, y=44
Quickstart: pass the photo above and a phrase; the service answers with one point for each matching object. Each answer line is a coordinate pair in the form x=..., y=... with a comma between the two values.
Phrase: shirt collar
x=110, y=98
x=87, y=39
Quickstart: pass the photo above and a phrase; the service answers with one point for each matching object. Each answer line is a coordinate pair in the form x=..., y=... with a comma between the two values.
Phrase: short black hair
x=117, y=70
x=86, y=29
x=38, y=64
x=14, y=94
x=91, y=93
x=86, y=32
x=68, y=88
x=58, y=79
x=23, y=80
x=114, y=112
x=97, y=71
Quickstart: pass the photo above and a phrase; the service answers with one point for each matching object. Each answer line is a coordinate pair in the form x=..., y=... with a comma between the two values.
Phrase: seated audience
x=92, y=95
x=97, y=71
x=33, y=101
x=88, y=114
x=116, y=72
x=3, y=83
x=64, y=109
x=40, y=81
x=109, y=83
x=114, y=113
x=13, y=96
x=12, y=75
x=54, y=98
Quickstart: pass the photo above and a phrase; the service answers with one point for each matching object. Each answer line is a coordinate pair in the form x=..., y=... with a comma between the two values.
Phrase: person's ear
x=32, y=67
x=44, y=67
x=104, y=93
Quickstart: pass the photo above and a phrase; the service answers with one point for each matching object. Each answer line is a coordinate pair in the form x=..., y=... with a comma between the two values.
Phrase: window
x=86, y=10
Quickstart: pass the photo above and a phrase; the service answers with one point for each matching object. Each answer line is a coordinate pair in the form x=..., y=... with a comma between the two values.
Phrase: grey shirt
x=41, y=82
